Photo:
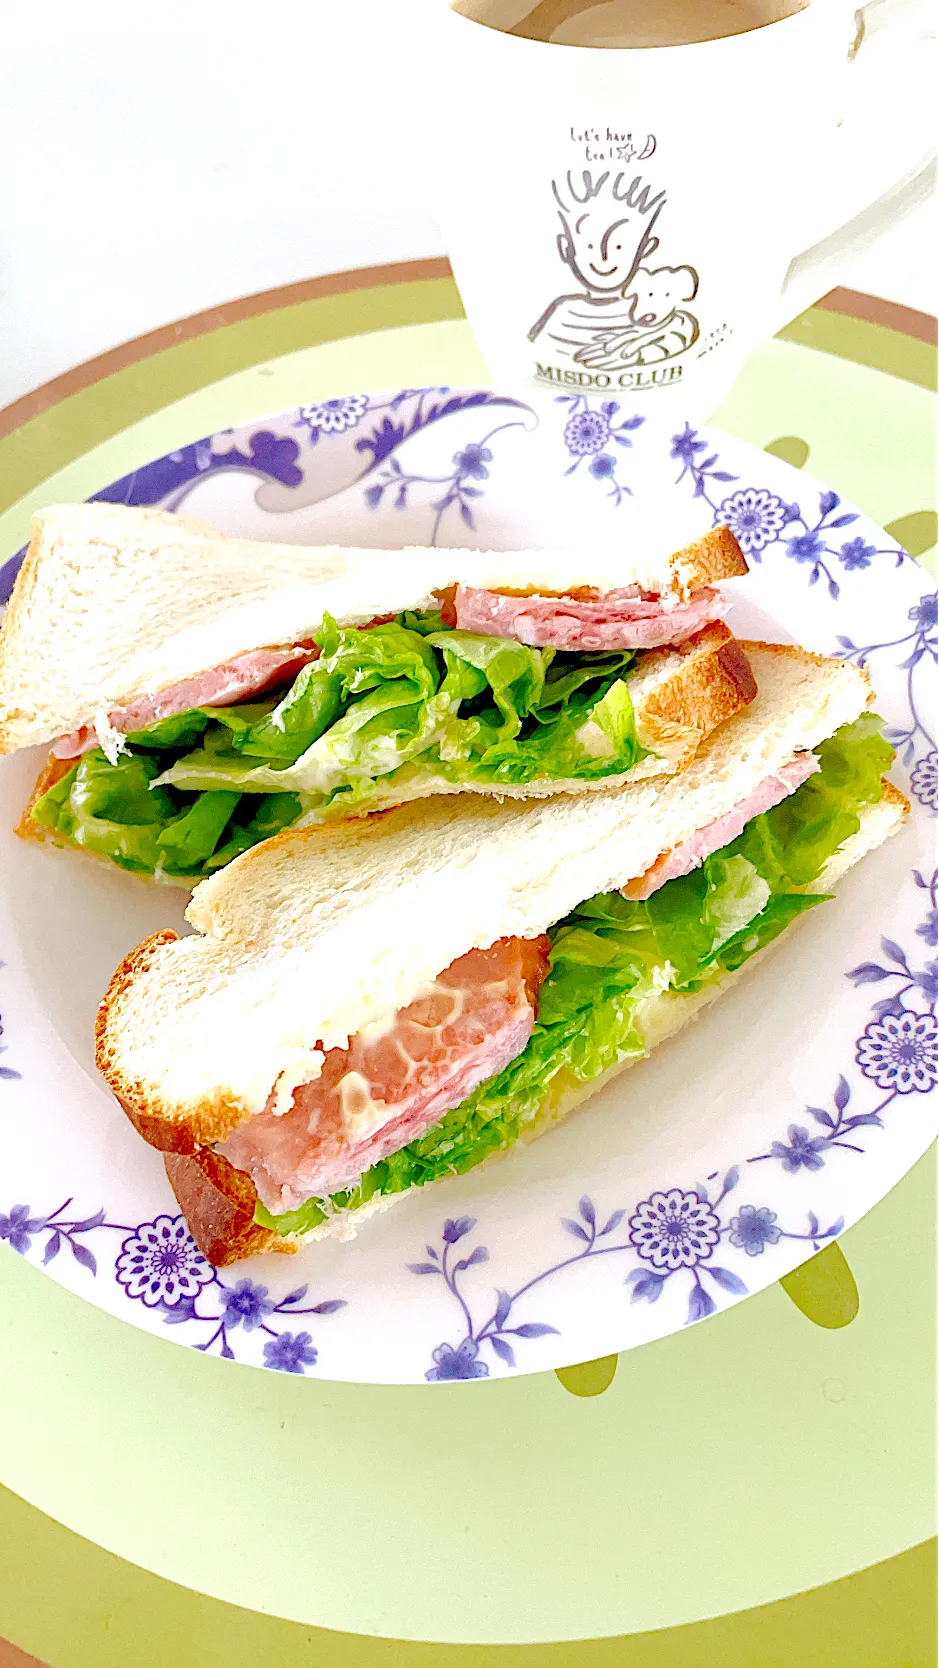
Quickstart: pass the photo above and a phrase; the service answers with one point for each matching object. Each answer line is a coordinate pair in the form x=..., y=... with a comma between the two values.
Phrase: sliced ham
x=237, y=680
x=626, y=619
x=691, y=853
x=395, y=1080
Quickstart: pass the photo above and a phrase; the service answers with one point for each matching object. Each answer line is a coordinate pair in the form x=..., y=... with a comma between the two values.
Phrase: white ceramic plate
x=708, y=1171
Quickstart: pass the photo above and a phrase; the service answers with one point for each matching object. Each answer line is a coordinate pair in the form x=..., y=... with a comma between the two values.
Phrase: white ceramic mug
x=623, y=220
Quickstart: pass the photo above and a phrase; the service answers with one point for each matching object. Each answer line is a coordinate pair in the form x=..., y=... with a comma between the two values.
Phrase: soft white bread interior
x=112, y=603
x=319, y=932
x=219, y=1201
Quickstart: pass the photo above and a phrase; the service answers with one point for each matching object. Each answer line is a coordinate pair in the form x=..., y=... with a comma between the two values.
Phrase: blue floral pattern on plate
x=651, y=1248
x=362, y=432
x=761, y=520
x=672, y=1232
x=160, y=1265
x=593, y=432
x=913, y=741
x=676, y=1231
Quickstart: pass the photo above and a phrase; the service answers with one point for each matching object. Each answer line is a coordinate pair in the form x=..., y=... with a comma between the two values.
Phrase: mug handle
x=885, y=148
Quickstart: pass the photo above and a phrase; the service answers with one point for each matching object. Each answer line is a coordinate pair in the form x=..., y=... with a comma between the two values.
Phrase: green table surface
x=732, y=1466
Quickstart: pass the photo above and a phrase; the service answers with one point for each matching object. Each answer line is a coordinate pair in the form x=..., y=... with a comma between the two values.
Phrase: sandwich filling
x=625, y=619
x=693, y=851
x=504, y=1034
x=185, y=792
x=237, y=680
x=397, y=1079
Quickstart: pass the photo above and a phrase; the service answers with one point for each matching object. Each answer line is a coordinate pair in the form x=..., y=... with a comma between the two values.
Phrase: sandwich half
x=203, y=693
x=363, y=1011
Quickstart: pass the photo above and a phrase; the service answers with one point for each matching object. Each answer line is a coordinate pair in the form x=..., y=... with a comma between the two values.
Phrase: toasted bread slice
x=219, y=1201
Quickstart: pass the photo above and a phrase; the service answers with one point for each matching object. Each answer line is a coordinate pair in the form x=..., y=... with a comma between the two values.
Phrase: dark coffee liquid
x=618, y=23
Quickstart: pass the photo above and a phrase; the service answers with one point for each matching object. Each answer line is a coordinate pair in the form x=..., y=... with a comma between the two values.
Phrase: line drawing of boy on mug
x=626, y=313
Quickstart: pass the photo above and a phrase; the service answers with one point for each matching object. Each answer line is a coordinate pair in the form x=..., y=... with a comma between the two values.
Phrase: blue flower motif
x=755, y=517
x=857, y=553
x=290, y=1352
x=929, y=929
x=15, y=1228
x=246, y=1305
x=332, y=416
x=587, y=432
x=455, y=1228
x=924, y=781
x=752, y=1229
x=602, y=467
x=472, y=461
x=674, y=1230
x=899, y=1052
x=685, y=445
x=806, y=547
x=924, y=613
x=162, y=1264
x=461, y=1362
x=804, y=1150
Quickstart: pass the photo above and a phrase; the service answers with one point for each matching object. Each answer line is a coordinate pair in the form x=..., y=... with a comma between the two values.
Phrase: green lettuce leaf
x=610, y=955
x=364, y=708
x=185, y=727
x=782, y=908
x=272, y=813
x=464, y=706
x=617, y=719
x=117, y=810
x=310, y=706
x=192, y=837
x=791, y=844
x=737, y=892
x=381, y=708
x=513, y=673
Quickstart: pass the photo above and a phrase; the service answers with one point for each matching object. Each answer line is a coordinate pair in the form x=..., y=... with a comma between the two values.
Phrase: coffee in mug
x=624, y=23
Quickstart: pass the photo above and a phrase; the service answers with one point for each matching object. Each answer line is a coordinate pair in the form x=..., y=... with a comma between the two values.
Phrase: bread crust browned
x=158, y=1123
x=716, y=555
x=894, y=796
x=52, y=772
x=218, y=1203
x=711, y=687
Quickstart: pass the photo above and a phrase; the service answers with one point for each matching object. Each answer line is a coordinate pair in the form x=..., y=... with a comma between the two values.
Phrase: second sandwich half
x=203, y=693
x=367, y=1010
